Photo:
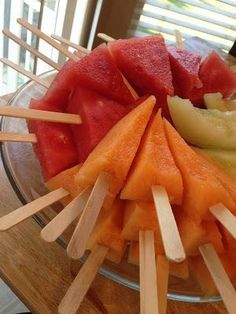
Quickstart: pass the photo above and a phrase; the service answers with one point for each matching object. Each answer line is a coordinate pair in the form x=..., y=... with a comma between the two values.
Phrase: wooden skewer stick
x=31, y=49
x=219, y=276
x=105, y=37
x=24, y=72
x=75, y=294
x=170, y=235
x=43, y=115
x=79, y=239
x=59, y=224
x=16, y=137
x=224, y=216
x=48, y=39
x=28, y=210
x=70, y=44
x=162, y=265
x=147, y=273
x=179, y=39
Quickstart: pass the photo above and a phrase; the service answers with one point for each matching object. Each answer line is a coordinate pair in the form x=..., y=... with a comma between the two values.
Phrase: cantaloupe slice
x=227, y=181
x=115, y=153
x=153, y=165
x=141, y=216
x=202, y=276
x=201, y=188
x=65, y=179
x=107, y=231
x=194, y=234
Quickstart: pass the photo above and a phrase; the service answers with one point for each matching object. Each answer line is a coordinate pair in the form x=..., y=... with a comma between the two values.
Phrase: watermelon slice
x=201, y=188
x=55, y=147
x=95, y=71
x=153, y=165
x=184, y=67
x=145, y=63
x=98, y=114
x=115, y=153
x=215, y=76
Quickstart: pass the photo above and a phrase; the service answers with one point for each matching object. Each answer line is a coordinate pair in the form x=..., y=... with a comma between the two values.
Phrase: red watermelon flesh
x=145, y=63
x=215, y=76
x=55, y=149
x=98, y=113
x=96, y=71
x=185, y=67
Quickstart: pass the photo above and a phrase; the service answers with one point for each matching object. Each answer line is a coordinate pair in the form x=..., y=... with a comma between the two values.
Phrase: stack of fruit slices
x=130, y=154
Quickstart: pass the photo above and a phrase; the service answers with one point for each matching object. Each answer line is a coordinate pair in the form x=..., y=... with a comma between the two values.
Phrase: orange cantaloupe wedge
x=227, y=181
x=65, y=179
x=201, y=188
x=116, y=151
x=153, y=165
x=107, y=231
x=141, y=216
x=200, y=273
x=194, y=234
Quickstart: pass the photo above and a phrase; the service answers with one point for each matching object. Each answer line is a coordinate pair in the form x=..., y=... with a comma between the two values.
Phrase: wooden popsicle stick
x=147, y=273
x=219, y=276
x=179, y=39
x=78, y=289
x=28, y=210
x=79, y=239
x=48, y=39
x=225, y=217
x=71, y=44
x=42, y=115
x=105, y=37
x=59, y=224
x=172, y=243
x=17, y=137
x=162, y=266
x=31, y=49
x=24, y=72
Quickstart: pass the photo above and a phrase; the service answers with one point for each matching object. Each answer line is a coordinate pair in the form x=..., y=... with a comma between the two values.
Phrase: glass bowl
x=24, y=173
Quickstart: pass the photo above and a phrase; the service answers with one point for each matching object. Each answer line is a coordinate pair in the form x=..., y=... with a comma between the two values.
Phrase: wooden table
x=39, y=273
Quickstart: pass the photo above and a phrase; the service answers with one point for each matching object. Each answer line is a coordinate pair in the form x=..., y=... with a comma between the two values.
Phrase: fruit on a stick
x=153, y=165
x=107, y=232
x=98, y=113
x=216, y=76
x=203, y=127
x=184, y=67
x=55, y=148
x=145, y=64
x=115, y=153
x=197, y=179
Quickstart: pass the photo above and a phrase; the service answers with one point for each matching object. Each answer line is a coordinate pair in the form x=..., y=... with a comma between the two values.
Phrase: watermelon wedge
x=55, y=147
x=184, y=67
x=145, y=63
x=96, y=71
x=98, y=113
x=215, y=76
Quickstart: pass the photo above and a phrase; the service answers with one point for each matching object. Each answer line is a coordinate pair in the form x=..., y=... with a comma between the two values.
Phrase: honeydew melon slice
x=208, y=128
x=216, y=101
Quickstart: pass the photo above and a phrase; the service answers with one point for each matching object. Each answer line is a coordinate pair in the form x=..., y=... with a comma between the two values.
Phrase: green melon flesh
x=216, y=101
x=208, y=128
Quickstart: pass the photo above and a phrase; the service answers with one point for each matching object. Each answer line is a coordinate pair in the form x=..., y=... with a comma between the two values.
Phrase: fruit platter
x=132, y=169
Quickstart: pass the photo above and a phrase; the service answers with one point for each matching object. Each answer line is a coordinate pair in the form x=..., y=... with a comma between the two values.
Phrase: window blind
x=213, y=21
